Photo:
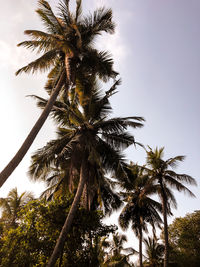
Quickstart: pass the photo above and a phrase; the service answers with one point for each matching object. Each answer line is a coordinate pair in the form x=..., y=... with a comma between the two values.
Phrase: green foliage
x=165, y=179
x=67, y=45
x=154, y=252
x=184, y=239
x=162, y=172
x=11, y=206
x=140, y=208
x=31, y=243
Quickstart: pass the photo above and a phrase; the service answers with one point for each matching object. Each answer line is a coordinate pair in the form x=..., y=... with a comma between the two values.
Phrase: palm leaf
x=99, y=62
x=65, y=13
x=181, y=177
x=50, y=20
x=78, y=10
x=120, y=141
x=100, y=21
x=173, y=162
x=43, y=63
x=119, y=124
x=177, y=185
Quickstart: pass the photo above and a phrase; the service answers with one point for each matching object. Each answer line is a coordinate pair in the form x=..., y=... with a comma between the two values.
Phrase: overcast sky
x=156, y=51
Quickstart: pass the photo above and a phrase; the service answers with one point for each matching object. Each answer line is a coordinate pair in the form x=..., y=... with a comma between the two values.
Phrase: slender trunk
x=166, y=259
x=140, y=246
x=33, y=133
x=68, y=222
x=164, y=208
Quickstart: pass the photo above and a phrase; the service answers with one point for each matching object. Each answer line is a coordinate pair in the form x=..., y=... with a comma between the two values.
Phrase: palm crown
x=162, y=172
x=12, y=205
x=68, y=44
x=86, y=128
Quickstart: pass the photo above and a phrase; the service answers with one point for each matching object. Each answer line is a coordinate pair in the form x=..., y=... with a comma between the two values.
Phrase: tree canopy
x=184, y=240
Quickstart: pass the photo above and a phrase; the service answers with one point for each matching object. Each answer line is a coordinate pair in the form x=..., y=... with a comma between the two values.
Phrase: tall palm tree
x=162, y=172
x=90, y=142
x=140, y=208
x=68, y=50
x=11, y=205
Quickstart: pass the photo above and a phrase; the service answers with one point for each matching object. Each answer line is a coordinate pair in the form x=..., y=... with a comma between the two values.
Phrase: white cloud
x=12, y=56
x=5, y=52
x=114, y=44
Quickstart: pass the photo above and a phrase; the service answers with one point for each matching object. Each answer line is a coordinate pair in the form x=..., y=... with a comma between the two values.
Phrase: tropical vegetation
x=84, y=168
x=184, y=240
x=162, y=172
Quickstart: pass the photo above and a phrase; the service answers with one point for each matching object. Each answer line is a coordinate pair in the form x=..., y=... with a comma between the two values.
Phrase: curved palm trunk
x=140, y=246
x=68, y=222
x=33, y=133
x=164, y=208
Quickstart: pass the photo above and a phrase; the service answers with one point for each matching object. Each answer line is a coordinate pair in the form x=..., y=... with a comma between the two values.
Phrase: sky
x=156, y=51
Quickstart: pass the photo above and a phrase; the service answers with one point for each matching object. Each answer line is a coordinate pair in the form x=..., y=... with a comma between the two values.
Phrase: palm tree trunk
x=140, y=246
x=164, y=208
x=68, y=222
x=166, y=259
x=32, y=135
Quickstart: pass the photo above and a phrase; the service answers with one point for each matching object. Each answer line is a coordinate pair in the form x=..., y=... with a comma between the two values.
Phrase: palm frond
x=41, y=46
x=111, y=158
x=98, y=105
x=111, y=200
x=52, y=189
x=99, y=62
x=43, y=63
x=48, y=17
x=119, y=124
x=173, y=162
x=65, y=13
x=170, y=199
x=78, y=10
x=177, y=185
x=44, y=157
x=53, y=77
x=124, y=218
x=181, y=177
x=120, y=141
x=99, y=22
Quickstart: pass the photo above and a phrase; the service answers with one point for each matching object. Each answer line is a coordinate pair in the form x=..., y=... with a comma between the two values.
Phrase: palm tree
x=154, y=252
x=68, y=50
x=140, y=209
x=115, y=256
x=90, y=143
x=11, y=205
x=161, y=171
